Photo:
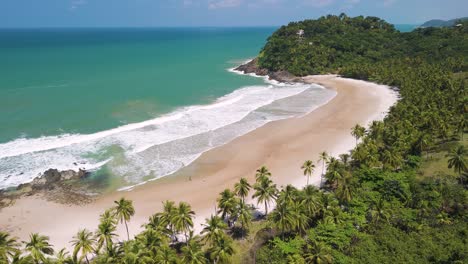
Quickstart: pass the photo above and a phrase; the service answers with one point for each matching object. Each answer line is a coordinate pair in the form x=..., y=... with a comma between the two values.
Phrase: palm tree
x=310, y=197
x=105, y=233
x=167, y=216
x=358, y=132
x=157, y=223
x=152, y=240
x=38, y=247
x=457, y=160
x=166, y=255
x=227, y=204
x=262, y=172
x=318, y=253
x=192, y=253
x=183, y=219
x=283, y=218
x=83, y=241
x=124, y=210
x=62, y=257
x=222, y=250
x=344, y=190
x=8, y=246
x=242, y=188
x=214, y=227
x=244, y=216
x=391, y=159
x=265, y=192
x=308, y=168
x=323, y=157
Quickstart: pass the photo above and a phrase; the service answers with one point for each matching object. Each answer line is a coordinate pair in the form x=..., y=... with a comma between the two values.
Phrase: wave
x=160, y=146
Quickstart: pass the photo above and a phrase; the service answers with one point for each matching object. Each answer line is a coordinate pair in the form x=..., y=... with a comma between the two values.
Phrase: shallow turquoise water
x=88, y=80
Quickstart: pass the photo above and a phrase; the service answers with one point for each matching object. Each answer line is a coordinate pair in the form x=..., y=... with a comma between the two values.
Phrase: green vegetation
x=387, y=201
x=333, y=42
x=443, y=23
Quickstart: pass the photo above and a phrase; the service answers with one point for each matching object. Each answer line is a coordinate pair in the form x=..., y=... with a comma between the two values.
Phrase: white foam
x=163, y=145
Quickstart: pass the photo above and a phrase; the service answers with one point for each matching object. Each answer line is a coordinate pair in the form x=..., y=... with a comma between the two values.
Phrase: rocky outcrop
x=280, y=76
x=53, y=176
x=59, y=186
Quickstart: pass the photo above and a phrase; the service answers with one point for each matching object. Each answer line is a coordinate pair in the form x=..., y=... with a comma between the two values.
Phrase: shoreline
x=280, y=145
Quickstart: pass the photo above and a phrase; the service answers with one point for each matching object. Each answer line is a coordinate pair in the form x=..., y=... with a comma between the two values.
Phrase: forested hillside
x=332, y=42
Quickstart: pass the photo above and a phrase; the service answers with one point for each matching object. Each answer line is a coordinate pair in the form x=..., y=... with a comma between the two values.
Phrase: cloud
x=77, y=3
x=318, y=3
x=215, y=4
x=387, y=3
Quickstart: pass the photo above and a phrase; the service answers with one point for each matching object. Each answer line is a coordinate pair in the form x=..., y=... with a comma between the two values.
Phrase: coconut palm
x=124, y=210
x=192, y=253
x=308, y=168
x=167, y=216
x=214, y=227
x=323, y=157
x=265, y=192
x=62, y=257
x=19, y=259
x=244, y=216
x=457, y=159
x=242, y=188
x=310, y=197
x=8, y=246
x=105, y=233
x=227, y=203
x=391, y=159
x=283, y=218
x=183, y=219
x=157, y=223
x=222, y=250
x=358, y=132
x=317, y=253
x=288, y=195
x=262, y=172
x=152, y=240
x=344, y=190
x=166, y=255
x=83, y=241
x=38, y=247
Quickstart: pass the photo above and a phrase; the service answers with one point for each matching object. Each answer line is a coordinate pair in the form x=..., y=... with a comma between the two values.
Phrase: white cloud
x=215, y=4
x=77, y=3
x=318, y=3
x=387, y=3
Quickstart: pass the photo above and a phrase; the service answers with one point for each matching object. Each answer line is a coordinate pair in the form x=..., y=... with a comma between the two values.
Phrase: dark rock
x=54, y=176
x=281, y=76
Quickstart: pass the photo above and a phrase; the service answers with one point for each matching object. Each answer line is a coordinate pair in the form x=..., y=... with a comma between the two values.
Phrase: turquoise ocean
x=133, y=104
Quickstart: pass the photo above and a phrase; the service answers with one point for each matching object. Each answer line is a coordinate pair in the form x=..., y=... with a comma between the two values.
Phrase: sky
x=218, y=13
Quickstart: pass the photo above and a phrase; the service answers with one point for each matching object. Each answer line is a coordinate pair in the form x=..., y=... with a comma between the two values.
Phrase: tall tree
x=192, y=253
x=265, y=192
x=222, y=250
x=105, y=233
x=262, y=172
x=38, y=247
x=242, y=188
x=124, y=210
x=8, y=246
x=83, y=241
x=457, y=160
x=183, y=219
x=308, y=168
x=358, y=132
x=213, y=228
x=323, y=157
x=227, y=203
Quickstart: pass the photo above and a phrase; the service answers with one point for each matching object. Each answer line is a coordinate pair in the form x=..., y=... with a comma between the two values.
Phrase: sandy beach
x=281, y=145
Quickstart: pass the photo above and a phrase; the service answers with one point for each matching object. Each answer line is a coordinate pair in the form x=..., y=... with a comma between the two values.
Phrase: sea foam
x=160, y=146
